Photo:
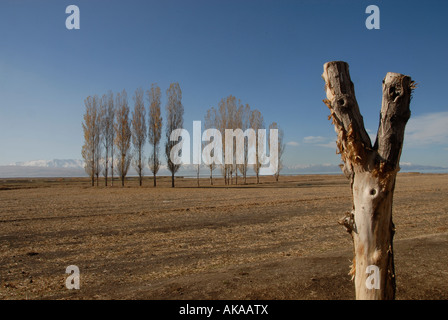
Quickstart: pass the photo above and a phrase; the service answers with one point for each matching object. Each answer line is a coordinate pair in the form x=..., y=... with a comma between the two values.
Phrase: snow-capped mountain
x=44, y=168
x=75, y=168
x=55, y=163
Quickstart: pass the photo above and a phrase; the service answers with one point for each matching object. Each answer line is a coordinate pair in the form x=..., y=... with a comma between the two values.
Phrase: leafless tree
x=139, y=133
x=98, y=141
x=92, y=134
x=122, y=135
x=228, y=118
x=231, y=114
x=98, y=152
x=210, y=123
x=111, y=114
x=154, y=128
x=281, y=148
x=237, y=123
x=221, y=125
x=372, y=171
x=107, y=129
x=199, y=147
x=232, y=123
x=244, y=114
x=174, y=120
x=257, y=123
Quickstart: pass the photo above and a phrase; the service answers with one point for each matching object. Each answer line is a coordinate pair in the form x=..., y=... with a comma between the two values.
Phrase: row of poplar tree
x=115, y=137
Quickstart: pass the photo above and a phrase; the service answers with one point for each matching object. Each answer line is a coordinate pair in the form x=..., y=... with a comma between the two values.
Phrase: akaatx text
x=228, y=309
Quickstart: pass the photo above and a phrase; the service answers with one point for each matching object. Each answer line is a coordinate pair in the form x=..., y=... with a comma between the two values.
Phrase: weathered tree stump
x=372, y=171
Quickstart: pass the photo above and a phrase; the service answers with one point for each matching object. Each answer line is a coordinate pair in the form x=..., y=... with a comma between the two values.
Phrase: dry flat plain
x=267, y=241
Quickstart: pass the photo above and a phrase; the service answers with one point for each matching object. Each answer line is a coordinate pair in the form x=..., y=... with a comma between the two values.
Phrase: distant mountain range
x=55, y=163
x=332, y=169
x=43, y=168
x=75, y=168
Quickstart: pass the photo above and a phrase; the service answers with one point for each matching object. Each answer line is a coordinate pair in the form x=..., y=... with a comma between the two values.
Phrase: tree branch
x=353, y=141
x=395, y=112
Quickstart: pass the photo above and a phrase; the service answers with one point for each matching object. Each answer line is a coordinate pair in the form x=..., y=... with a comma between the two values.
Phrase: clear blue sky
x=269, y=54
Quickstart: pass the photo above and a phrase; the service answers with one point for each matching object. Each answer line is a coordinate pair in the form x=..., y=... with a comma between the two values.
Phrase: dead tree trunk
x=211, y=175
x=372, y=171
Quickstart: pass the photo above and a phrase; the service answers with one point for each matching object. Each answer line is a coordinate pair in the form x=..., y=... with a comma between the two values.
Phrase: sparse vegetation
x=255, y=241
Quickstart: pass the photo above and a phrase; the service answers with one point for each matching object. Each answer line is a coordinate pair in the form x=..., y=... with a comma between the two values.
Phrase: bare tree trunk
x=93, y=175
x=106, y=160
x=112, y=167
x=155, y=164
x=372, y=171
x=140, y=169
x=112, y=173
x=244, y=173
x=211, y=175
x=172, y=179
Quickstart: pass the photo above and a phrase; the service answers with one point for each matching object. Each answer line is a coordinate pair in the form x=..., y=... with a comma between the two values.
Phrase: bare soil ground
x=267, y=241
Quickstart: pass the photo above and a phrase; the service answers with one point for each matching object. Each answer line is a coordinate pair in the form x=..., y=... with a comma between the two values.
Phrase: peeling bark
x=371, y=170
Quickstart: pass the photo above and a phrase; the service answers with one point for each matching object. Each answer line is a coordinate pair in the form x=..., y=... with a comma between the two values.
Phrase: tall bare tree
x=92, y=134
x=245, y=124
x=221, y=125
x=107, y=129
x=281, y=148
x=122, y=135
x=257, y=123
x=197, y=148
x=227, y=117
x=139, y=132
x=174, y=120
x=98, y=151
x=104, y=147
x=234, y=116
x=210, y=123
x=111, y=114
x=237, y=123
x=154, y=128
x=232, y=123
